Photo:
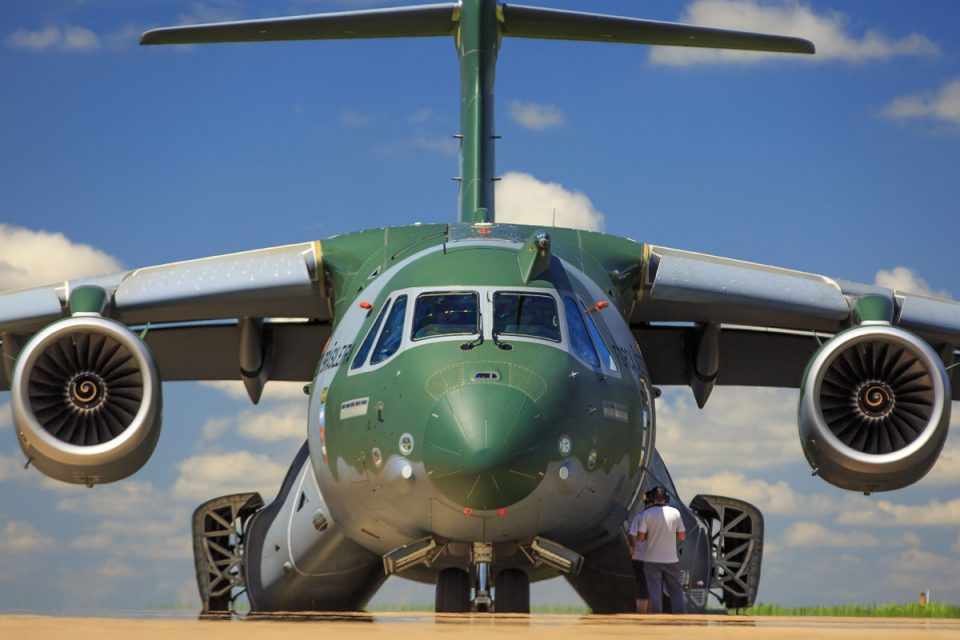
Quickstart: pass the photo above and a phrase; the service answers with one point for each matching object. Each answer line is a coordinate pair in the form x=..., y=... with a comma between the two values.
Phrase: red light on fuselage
x=600, y=305
x=366, y=305
x=467, y=511
x=502, y=512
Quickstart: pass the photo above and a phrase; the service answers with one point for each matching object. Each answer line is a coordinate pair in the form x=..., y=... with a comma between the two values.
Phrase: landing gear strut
x=482, y=559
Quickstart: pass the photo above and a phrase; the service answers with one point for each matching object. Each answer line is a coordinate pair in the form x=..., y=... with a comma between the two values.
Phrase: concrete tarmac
x=407, y=626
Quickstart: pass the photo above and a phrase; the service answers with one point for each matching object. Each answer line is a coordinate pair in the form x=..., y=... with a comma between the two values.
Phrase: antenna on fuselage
x=477, y=27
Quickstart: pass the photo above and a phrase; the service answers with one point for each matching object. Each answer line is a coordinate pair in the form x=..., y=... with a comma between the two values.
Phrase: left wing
x=702, y=320
x=216, y=318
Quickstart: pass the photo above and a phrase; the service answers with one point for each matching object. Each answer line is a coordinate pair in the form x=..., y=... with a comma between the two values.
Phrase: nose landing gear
x=482, y=559
x=508, y=591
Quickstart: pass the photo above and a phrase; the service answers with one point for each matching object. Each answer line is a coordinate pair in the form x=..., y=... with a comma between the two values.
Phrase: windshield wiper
x=506, y=346
x=476, y=342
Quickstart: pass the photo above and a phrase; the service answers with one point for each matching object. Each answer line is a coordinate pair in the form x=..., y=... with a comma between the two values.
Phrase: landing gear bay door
x=736, y=539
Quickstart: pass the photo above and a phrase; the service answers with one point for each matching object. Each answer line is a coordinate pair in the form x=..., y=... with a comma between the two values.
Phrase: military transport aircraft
x=481, y=395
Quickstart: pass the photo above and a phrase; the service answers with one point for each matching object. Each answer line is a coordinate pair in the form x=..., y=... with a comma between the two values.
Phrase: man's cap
x=657, y=494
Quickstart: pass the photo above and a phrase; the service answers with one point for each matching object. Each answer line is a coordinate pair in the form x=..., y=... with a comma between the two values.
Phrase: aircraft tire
x=513, y=592
x=453, y=591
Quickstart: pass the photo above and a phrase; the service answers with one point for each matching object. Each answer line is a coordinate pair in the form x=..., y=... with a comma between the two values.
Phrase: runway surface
x=404, y=626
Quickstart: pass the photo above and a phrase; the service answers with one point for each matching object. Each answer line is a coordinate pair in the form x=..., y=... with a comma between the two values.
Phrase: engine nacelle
x=874, y=409
x=86, y=401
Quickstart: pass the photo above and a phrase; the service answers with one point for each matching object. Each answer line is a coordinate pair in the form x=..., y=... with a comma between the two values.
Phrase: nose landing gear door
x=736, y=539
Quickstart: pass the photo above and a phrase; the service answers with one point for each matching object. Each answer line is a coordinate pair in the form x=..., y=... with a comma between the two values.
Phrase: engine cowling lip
x=844, y=455
x=33, y=434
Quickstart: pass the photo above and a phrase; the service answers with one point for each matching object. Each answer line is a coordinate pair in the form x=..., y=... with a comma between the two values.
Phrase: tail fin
x=477, y=26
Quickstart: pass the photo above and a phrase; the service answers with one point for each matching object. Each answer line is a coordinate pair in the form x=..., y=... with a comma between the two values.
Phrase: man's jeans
x=657, y=575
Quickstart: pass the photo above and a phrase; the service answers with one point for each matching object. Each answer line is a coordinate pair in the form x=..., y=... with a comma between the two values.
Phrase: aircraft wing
x=742, y=323
x=192, y=313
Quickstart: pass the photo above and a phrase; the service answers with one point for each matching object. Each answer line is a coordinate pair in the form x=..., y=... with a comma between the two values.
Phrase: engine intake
x=874, y=409
x=86, y=401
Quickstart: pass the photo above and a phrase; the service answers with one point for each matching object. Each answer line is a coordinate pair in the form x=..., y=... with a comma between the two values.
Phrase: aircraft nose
x=481, y=446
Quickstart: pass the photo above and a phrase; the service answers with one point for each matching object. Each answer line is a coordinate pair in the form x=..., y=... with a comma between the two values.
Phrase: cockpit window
x=580, y=341
x=440, y=314
x=392, y=334
x=526, y=314
x=361, y=356
x=605, y=354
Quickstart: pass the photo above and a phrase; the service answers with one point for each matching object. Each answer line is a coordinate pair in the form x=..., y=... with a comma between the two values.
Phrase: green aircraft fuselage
x=477, y=372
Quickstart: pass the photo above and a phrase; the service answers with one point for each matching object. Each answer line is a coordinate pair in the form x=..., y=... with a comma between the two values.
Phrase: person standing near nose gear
x=660, y=529
x=636, y=547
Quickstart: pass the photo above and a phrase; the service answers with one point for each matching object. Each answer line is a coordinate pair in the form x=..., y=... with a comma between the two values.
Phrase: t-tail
x=477, y=27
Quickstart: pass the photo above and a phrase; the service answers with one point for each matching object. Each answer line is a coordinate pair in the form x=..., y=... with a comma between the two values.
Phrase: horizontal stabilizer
x=552, y=24
x=417, y=21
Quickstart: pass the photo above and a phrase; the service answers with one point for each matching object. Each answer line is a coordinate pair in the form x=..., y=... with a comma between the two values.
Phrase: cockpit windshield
x=526, y=314
x=440, y=314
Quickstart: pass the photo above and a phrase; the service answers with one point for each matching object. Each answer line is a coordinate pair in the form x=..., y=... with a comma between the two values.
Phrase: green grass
x=886, y=610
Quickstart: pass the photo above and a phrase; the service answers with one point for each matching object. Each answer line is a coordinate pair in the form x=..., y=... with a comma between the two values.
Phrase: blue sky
x=842, y=164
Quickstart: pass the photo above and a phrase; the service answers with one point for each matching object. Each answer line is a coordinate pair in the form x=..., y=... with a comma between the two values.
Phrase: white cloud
x=23, y=537
x=273, y=390
x=215, y=428
x=285, y=423
x=828, y=30
x=905, y=280
x=522, y=199
x=32, y=258
x=205, y=476
x=812, y=534
x=883, y=513
x=770, y=497
x=532, y=115
x=120, y=499
x=282, y=421
x=53, y=38
x=761, y=424
x=942, y=105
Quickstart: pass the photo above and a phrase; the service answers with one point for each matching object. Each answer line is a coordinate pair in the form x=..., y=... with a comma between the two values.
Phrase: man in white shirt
x=643, y=598
x=659, y=530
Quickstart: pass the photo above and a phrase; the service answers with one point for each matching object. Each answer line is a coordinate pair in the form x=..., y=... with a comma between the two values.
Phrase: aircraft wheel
x=513, y=592
x=453, y=591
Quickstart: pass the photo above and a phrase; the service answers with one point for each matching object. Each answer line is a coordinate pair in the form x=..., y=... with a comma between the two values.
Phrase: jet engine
x=874, y=409
x=86, y=400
